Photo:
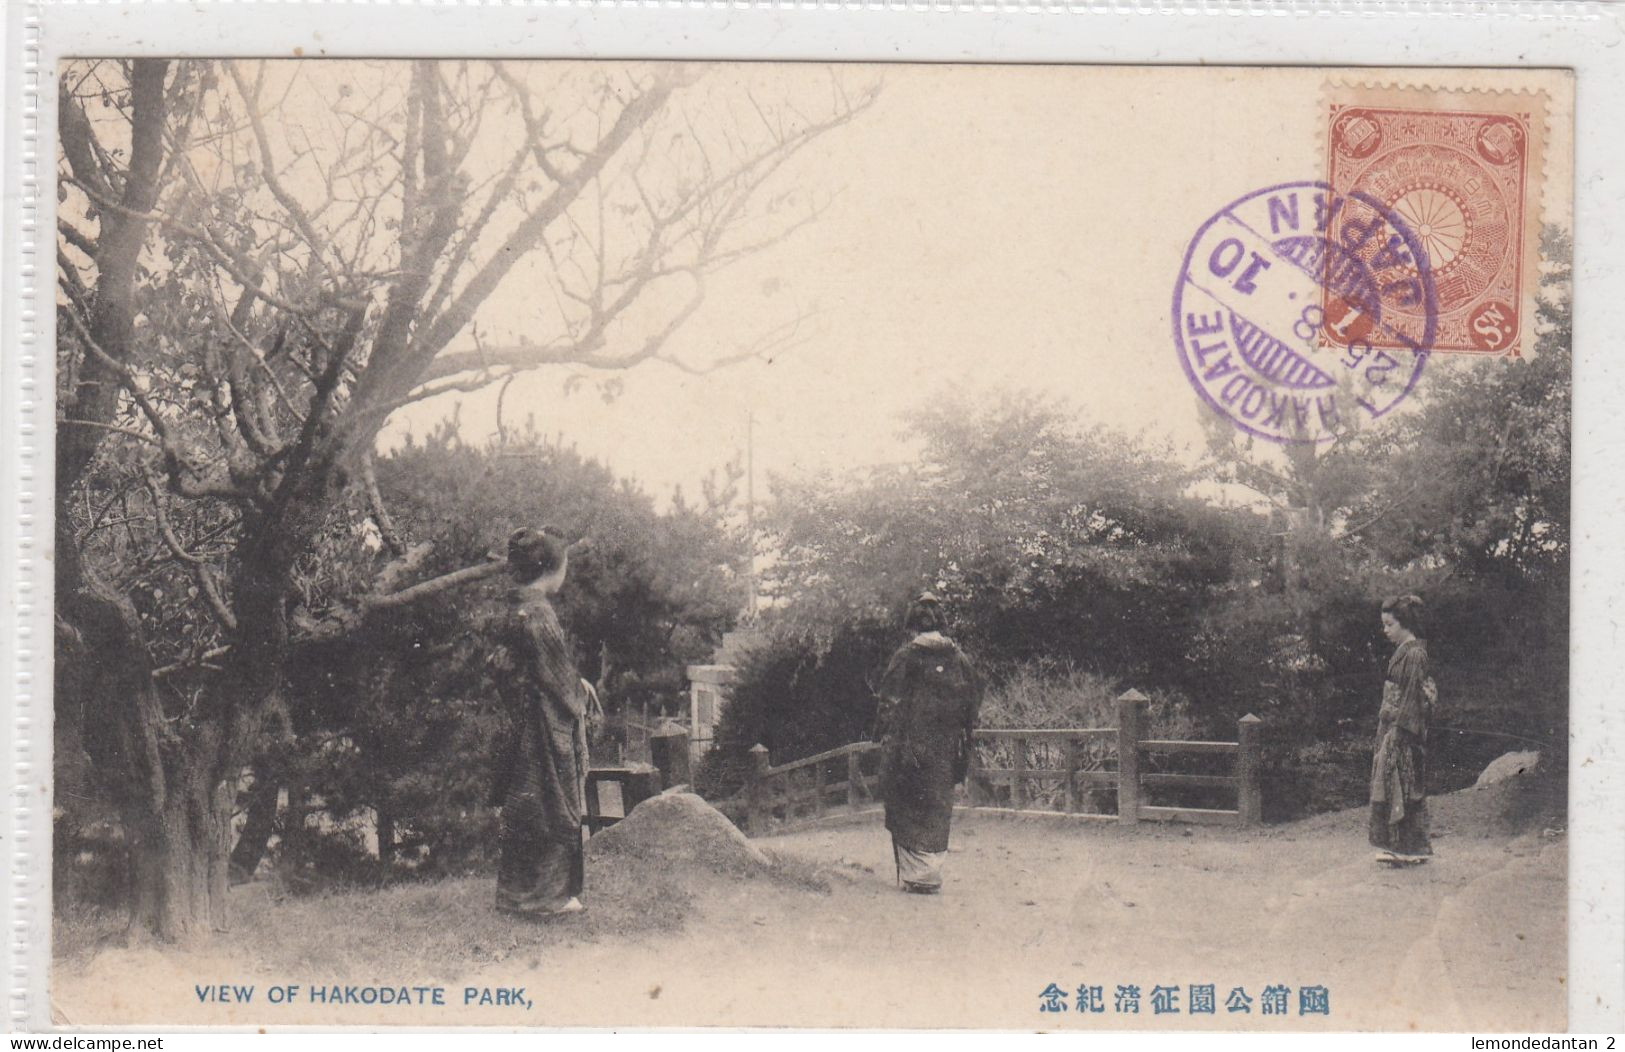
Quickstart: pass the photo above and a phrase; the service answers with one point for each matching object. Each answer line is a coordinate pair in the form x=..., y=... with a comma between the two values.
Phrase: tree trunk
x=295, y=835
x=178, y=863
x=258, y=825
x=385, y=820
x=175, y=800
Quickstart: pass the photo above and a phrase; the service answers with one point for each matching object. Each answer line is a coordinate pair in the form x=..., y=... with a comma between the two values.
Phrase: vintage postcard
x=605, y=543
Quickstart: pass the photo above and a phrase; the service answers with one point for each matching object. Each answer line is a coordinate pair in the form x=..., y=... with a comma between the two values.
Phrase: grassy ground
x=443, y=930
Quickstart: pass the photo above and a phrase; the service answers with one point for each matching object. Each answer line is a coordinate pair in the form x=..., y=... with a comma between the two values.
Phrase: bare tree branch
x=335, y=625
x=114, y=428
x=375, y=504
x=528, y=232
x=77, y=238
x=177, y=460
x=273, y=181
x=118, y=248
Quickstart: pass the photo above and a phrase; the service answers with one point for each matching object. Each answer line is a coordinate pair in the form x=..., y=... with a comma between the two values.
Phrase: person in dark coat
x=1399, y=820
x=541, y=780
x=929, y=698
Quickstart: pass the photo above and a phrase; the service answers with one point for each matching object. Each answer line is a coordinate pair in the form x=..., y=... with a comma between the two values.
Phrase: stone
x=1509, y=765
x=680, y=829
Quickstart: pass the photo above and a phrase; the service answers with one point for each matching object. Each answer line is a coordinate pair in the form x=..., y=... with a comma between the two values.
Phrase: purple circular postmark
x=1283, y=326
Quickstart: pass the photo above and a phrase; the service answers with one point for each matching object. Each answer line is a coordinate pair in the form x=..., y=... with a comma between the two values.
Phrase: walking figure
x=929, y=697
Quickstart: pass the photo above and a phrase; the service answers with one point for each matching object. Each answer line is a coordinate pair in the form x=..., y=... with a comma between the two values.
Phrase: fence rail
x=1075, y=766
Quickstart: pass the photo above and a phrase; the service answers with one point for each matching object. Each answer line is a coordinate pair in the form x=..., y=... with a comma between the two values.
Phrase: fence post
x=756, y=789
x=972, y=763
x=1018, y=773
x=853, y=773
x=640, y=783
x=1071, y=775
x=668, y=748
x=1249, y=797
x=1130, y=720
x=595, y=810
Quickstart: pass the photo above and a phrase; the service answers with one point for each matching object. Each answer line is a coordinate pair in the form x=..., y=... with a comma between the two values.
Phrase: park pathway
x=1474, y=940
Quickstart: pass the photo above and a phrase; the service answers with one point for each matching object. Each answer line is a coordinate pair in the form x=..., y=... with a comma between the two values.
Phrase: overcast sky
x=1015, y=227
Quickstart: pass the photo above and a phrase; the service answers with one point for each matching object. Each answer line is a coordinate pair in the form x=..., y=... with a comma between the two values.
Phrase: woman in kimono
x=928, y=701
x=1399, y=823
x=542, y=779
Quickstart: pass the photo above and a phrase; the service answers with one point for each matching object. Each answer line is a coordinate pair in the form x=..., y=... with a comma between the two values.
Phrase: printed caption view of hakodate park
x=281, y=548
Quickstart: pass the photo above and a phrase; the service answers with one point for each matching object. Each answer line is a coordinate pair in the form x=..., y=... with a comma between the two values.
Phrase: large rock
x=1507, y=766
x=679, y=829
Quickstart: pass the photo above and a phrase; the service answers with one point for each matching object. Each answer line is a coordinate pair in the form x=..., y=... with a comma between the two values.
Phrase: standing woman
x=928, y=701
x=1399, y=821
x=542, y=780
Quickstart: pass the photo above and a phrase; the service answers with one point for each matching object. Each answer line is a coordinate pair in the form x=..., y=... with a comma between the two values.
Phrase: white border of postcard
x=1581, y=36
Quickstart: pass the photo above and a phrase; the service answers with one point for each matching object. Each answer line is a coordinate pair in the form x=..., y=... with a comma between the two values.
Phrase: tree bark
x=177, y=824
x=258, y=825
x=112, y=320
x=295, y=836
x=178, y=864
x=385, y=821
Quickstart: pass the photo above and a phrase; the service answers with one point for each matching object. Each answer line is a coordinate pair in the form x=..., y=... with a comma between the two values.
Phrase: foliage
x=261, y=262
x=1038, y=694
x=1250, y=584
x=1044, y=539
x=1463, y=498
x=796, y=699
x=400, y=720
x=1048, y=544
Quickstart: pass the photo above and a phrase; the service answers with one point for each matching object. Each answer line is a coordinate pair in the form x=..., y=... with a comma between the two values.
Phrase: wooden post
x=1018, y=773
x=1071, y=753
x=818, y=788
x=1249, y=796
x=756, y=789
x=853, y=773
x=641, y=782
x=668, y=749
x=973, y=795
x=595, y=810
x=1130, y=718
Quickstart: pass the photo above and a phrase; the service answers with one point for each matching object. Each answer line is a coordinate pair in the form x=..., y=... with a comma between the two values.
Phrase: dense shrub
x=797, y=698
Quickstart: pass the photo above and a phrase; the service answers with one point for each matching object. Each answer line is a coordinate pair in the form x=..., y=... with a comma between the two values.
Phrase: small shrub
x=1043, y=696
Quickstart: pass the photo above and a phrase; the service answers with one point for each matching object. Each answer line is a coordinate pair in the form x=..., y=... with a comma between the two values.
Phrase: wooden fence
x=1070, y=770
x=666, y=744
x=845, y=780
x=632, y=729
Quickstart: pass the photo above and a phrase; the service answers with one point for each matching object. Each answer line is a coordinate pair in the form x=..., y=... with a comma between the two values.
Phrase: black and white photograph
x=648, y=543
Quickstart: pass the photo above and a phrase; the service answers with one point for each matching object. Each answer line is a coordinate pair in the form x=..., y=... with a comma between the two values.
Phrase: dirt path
x=1031, y=902
x=1474, y=940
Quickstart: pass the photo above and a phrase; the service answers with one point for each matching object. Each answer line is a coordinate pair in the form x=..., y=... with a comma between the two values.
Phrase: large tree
x=398, y=721
x=1461, y=496
x=1048, y=538
x=258, y=265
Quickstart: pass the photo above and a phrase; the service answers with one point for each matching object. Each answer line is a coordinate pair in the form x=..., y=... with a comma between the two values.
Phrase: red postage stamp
x=1462, y=171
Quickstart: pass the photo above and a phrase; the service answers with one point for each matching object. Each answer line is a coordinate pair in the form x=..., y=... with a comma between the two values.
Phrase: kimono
x=929, y=697
x=541, y=779
x=1399, y=764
